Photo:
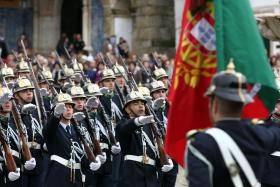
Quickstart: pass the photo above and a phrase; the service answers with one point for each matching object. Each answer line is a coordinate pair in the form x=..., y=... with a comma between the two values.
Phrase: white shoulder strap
x=229, y=149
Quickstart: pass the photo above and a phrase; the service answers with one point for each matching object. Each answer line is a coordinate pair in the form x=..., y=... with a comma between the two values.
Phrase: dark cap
x=230, y=85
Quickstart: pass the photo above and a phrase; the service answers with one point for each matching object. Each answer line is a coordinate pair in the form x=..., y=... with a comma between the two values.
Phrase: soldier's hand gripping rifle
x=82, y=138
x=37, y=94
x=109, y=125
x=9, y=159
x=158, y=137
x=92, y=132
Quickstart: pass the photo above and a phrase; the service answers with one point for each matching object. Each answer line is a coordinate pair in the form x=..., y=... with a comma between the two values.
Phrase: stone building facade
x=147, y=25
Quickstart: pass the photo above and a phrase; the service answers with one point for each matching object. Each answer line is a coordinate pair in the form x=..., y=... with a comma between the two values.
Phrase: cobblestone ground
x=181, y=180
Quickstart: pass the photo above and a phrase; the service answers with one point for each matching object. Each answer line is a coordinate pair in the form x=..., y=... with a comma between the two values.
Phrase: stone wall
x=154, y=26
x=153, y=23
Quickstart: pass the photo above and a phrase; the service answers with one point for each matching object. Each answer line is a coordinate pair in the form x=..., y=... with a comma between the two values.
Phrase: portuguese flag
x=212, y=33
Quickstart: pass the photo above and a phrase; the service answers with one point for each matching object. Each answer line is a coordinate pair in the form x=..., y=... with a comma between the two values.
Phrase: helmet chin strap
x=21, y=100
x=132, y=112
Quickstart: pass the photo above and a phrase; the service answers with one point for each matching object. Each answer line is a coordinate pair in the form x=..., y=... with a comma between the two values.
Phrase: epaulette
x=191, y=134
x=256, y=121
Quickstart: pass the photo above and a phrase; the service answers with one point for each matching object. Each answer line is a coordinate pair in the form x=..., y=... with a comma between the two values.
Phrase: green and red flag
x=212, y=33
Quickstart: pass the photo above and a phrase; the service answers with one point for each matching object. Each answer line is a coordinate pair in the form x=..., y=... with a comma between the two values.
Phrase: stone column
x=97, y=16
x=154, y=28
x=46, y=28
x=87, y=24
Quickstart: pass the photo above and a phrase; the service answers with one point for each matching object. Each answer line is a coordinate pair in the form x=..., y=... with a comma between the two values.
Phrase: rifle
x=159, y=140
x=157, y=65
x=18, y=121
x=144, y=69
x=130, y=82
x=61, y=66
x=37, y=94
x=155, y=59
x=109, y=125
x=54, y=92
x=9, y=159
x=14, y=53
x=92, y=131
x=122, y=99
x=116, y=86
x=75, y=61
x=81, y=135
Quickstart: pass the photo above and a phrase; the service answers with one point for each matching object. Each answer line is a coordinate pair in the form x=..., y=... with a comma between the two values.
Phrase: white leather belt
x=104, y=146
x=15, y=153
x=34, y=145
x=65, y=162
x=276, y=153
x=142, y=159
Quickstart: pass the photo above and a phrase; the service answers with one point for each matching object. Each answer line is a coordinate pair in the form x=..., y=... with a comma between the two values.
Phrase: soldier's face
x=23, y=74
x=213, y=111
x=44, y=85
x=277, y=107
x=159, y=93
x=7, y=107
x=9, y=79
x=109, y=83
x=120, y=81
x=69, y=112
x=25, y=96
x=79, y=103
x=165, y=81
x=136, y=108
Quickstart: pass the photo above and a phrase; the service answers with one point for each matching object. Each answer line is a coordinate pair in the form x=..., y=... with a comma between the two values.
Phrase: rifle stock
x=9, y=159
x=88, y=151
x=108, y=125
x=25, y=149
x=96, y=144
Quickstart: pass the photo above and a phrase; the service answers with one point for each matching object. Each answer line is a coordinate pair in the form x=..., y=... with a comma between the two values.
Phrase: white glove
x=28, y=108
x=149, y=100
x=30, y=164
x=44, y=92
x=92, y=102
x=116, y=149
x=95, y=165
x=79, y=116
x=59, y=109
x=66, y=86
x=45, y=147
x=167, y=167
x=158, y=103
x=104, y=90
x=14, y=175
x=102, y=158
x=142, y=120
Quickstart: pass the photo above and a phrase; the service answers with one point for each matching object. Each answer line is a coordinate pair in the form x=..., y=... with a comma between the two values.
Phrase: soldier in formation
x=77, y=133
